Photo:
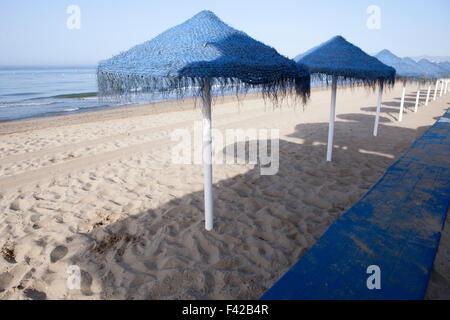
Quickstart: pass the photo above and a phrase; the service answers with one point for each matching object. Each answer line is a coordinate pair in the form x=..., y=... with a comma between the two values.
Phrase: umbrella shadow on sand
x=393, y=112
x=423, y=93
x=263, y=224
x=394, y=106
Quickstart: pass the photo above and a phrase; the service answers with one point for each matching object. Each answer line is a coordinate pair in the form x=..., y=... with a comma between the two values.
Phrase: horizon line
x=47, y=66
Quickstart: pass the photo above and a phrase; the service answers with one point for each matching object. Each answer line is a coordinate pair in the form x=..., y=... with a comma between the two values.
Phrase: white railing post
x=207, y=154
x=332, y=117
x=417, y=98
x=435, y=90
x=428, y=95
x=402, y=102
x=377, y=116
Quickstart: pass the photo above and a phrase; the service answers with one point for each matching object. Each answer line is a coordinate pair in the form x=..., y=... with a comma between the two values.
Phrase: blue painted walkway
x=396, y=226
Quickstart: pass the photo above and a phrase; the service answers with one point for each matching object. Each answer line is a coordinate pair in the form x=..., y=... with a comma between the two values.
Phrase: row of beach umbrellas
x=205, y=54
x=421, y=72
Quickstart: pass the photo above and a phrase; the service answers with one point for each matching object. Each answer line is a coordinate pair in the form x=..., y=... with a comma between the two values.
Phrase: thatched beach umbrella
x=406, y=70
x=339, y=58
x=195, y=58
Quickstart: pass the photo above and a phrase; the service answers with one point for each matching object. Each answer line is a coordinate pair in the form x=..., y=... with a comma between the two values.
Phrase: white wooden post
x=377, y=117
x=402, y=102
x=435, y=90
x=442, y=87
x=417, y=98
x=446, y=85
x=332, y=116
x=207, y=154
x=428, y=95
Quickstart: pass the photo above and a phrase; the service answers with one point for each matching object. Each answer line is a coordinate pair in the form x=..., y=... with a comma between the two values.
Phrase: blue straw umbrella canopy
x=201, y=48
x=407, y=70
x=195, y=57
x=339, y=58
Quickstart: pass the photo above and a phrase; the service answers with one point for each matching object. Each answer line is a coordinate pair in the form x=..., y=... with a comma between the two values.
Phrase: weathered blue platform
x=396, y=226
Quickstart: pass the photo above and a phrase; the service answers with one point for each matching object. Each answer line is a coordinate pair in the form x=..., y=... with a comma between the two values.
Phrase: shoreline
x=159, y=105
x=112, y=113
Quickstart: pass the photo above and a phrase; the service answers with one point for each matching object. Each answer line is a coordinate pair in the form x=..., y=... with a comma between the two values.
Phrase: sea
x=35, y=92
x=38, y=92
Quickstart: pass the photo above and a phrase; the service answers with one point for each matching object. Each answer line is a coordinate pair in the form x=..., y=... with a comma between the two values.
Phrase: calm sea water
x=36, y=92
x=31, y=92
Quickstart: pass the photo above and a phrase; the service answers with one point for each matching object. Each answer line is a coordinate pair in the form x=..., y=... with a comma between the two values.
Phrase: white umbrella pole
x=435, y=90
x=402, y=102
x=332, y=116
x=417, y=98
x=442, y=88
x=446, y=85
x=428, y=95
x=377, y=117
x=207, y=154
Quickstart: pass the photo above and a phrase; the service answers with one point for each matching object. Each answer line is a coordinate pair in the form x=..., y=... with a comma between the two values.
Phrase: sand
x=99, y=191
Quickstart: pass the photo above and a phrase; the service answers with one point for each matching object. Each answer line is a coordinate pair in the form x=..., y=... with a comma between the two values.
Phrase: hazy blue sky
x=35, y=31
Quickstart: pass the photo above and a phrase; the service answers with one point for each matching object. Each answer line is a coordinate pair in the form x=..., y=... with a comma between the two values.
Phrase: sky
x=36, y=32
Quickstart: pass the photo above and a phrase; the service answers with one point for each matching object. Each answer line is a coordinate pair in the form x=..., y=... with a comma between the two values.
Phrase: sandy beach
x=99, y=191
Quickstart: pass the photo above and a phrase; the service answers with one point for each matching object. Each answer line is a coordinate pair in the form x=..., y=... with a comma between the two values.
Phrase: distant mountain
x=410, y=69
x=444, y=65
x=435, y=59
x=410, y=61
x=405, y=68
x=432, y=68
x=388, y=56
x=422, y=69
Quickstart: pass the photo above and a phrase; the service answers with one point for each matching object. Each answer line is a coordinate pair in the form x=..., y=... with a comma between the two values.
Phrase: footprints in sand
x=24, y=278
x=34, y=294
x=5, y=280
x=58, y=253
x=71, y=142
x=8, y=254
x=19, y=205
